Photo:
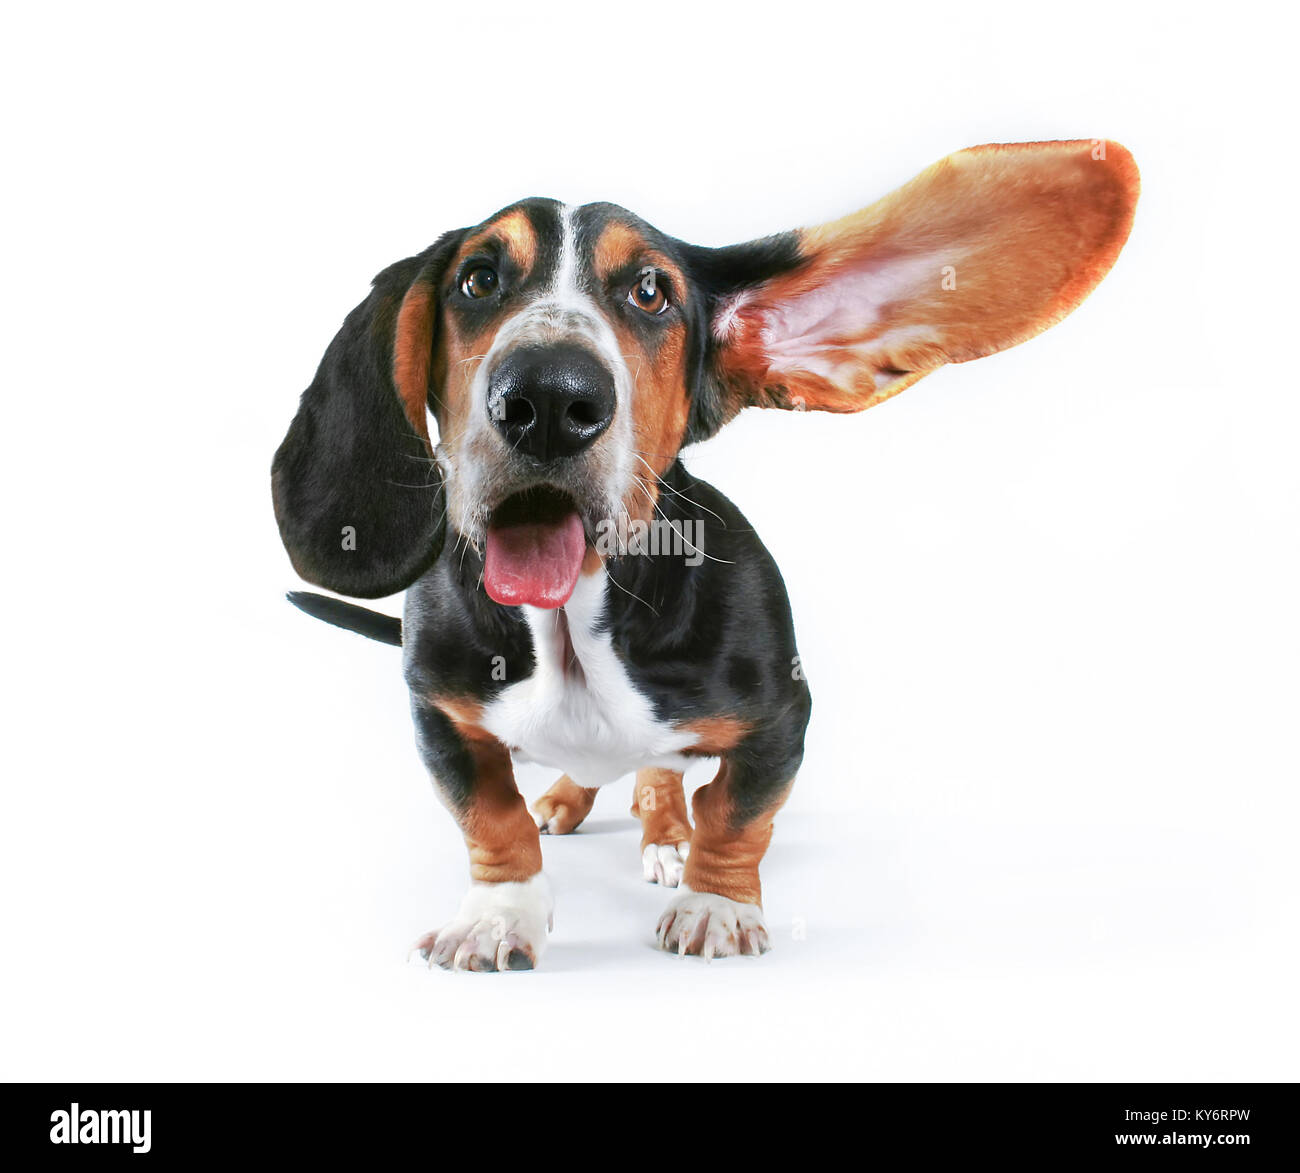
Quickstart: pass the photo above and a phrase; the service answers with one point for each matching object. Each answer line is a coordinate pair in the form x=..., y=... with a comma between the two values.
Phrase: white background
x=1045, y=826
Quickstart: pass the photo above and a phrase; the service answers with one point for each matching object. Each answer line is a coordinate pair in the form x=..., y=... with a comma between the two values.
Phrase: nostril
x=585, y=413
x=517, y=412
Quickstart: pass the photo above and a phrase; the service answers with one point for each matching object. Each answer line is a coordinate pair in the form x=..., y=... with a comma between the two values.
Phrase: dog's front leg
x=660, y=803
x=504, y=918
x=719, y=911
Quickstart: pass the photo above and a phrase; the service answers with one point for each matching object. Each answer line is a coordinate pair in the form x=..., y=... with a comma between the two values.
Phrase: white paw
x=712, y=926
x=663, y=863
x=498, y=927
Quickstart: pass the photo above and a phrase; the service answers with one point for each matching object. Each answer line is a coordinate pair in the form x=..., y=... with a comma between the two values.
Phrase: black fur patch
x=359, y=503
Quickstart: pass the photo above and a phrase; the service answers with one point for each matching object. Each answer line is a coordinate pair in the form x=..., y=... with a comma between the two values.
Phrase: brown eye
x=480, y=282
x=648, y=293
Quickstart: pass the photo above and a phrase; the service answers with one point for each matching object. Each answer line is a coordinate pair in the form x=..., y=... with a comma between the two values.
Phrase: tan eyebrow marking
x=620, y=244
x=515, y=231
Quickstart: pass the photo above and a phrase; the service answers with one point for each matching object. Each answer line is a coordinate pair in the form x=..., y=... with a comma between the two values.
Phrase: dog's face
x=567, y=354
x=563, y=364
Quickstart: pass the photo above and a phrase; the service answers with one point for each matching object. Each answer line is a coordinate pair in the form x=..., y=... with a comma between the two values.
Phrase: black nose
x=551, y=401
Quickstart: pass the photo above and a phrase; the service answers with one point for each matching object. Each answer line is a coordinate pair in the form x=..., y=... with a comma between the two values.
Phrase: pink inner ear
x=842, y=325
x=979, y=252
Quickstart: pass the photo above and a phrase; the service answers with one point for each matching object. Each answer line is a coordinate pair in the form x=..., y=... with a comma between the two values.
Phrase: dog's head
x=567, y=354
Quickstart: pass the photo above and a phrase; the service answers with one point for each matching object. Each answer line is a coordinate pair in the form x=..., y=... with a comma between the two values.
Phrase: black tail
x=371, y=624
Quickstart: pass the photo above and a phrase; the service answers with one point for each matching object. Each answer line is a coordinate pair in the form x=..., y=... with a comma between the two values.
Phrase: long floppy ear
x=979, y=252
x=358, y=498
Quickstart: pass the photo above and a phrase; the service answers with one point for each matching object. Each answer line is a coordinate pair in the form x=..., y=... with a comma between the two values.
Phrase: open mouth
x=535, y=548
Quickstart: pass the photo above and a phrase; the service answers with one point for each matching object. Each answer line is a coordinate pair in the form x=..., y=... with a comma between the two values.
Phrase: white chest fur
x=579, y=711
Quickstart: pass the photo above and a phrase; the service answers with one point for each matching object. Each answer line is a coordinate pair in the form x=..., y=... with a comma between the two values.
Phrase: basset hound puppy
x=496, y=431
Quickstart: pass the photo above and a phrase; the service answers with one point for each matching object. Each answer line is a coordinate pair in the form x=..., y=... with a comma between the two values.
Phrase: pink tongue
x=536, y=563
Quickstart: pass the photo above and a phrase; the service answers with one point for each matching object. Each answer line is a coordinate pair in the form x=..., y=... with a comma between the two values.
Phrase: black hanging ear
x=358, y=499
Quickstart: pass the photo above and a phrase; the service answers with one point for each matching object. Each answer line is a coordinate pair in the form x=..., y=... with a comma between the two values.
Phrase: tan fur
x=659, y=801
x=714, y=735
x=412, y=354
x=1028, y=228
x=515, y=231
x=502, y=839
x=620, y=245
x=724, y=858
x=564, y=806
x=660, y=405
x=464, y=712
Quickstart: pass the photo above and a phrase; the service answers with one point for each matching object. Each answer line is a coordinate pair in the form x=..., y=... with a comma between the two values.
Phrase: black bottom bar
x=443, y=1123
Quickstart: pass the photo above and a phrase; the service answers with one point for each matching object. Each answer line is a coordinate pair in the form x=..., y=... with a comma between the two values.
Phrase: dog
x=567, y=355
